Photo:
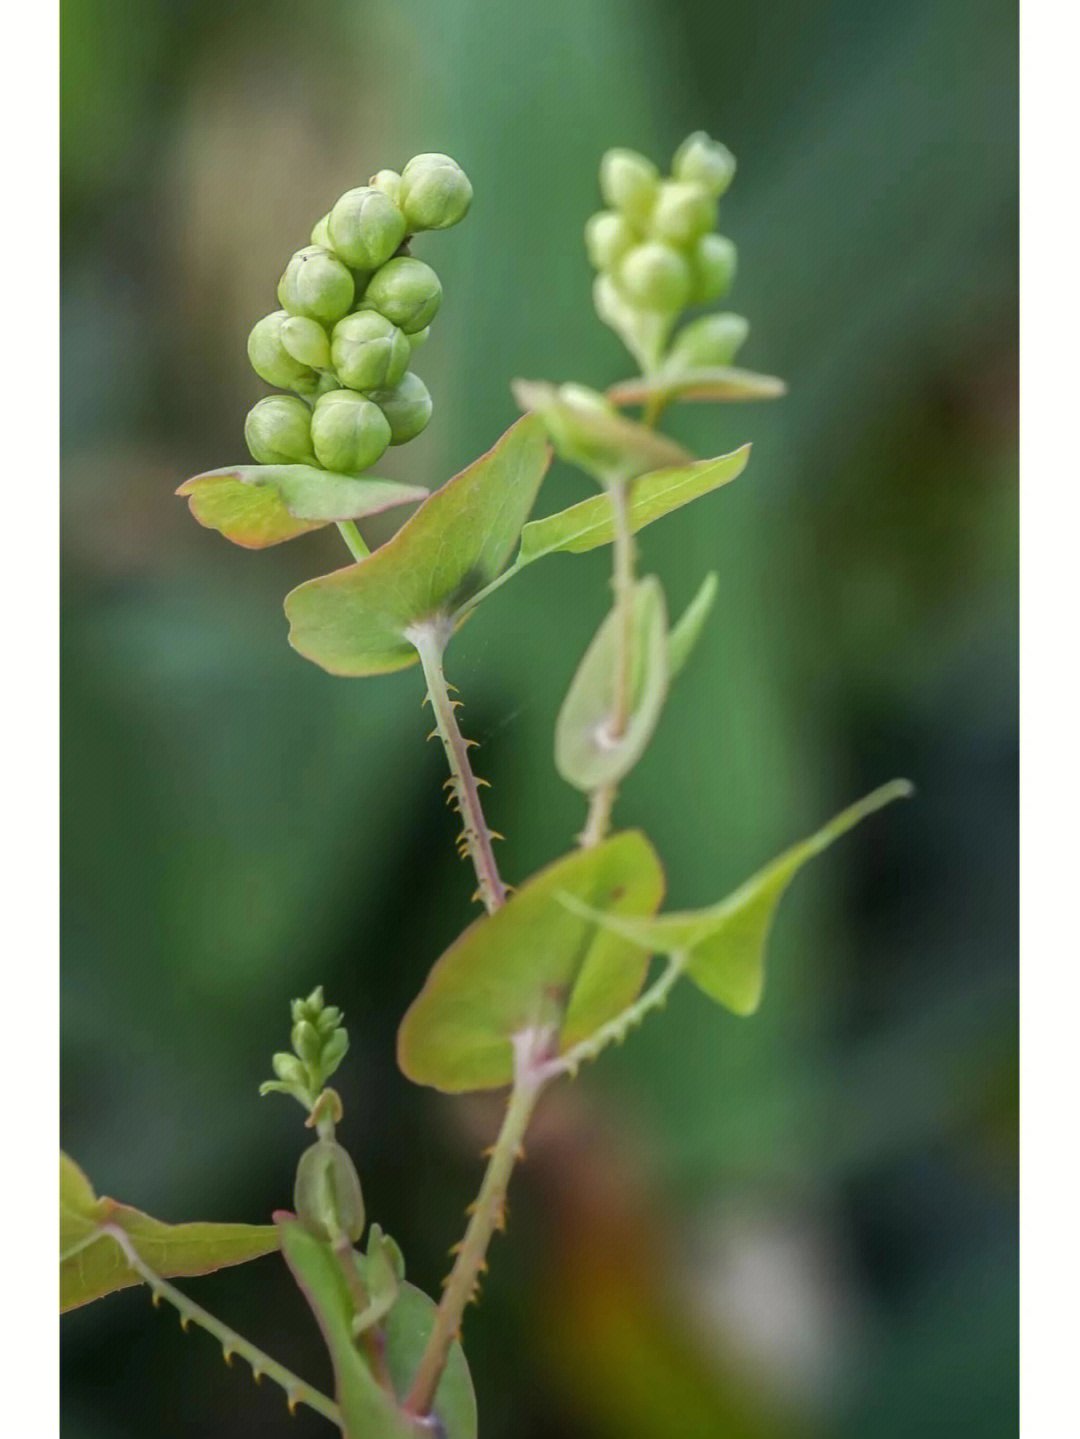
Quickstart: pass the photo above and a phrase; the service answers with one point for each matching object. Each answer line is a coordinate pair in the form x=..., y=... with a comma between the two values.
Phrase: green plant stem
x=353, y=538
x=487, y=1214
x=296, y=1390
x=476, y=838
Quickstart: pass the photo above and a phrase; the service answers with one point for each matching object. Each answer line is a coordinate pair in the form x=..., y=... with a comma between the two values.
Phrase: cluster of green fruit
x=354, y=306
x=657, y=253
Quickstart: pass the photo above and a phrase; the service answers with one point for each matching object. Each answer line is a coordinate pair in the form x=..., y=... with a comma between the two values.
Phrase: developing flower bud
x=655, y=276
x=366, y=227
x=683, y=211
x=348, y=431
x=306, y=1041
x=389, y=182
x=316, y=284
x=286, y=1066
x=328, y=1198
x=628, y=183
x=705, y=161
x=712, y=340
x=320, y=234
x=368, y=351
x=270, y=359
x=712, y=265
x=608, y=236
x=278, y=431
x=419, y=337
x=306, y=341
x=435, y=193
x=406, y=291
x=407, y=407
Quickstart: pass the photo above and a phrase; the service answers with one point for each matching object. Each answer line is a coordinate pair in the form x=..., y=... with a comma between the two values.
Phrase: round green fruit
x=628, y=183
x=435, y=193
x=368, y=352
x=278, y=431
x=348, y=431
x=406, y=291
x=712, y=262
x=366, y=227
x=271, y=360
x=608, y=236
x=407, y=407
x=705, y=162
x=316, y=285
x=684, y=211
x=655, y=276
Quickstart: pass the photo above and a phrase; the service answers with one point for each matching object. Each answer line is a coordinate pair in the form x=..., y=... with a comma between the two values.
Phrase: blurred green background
x=802, y=1224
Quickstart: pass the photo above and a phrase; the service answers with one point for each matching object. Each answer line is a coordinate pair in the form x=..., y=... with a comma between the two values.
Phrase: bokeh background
x=798, y=1225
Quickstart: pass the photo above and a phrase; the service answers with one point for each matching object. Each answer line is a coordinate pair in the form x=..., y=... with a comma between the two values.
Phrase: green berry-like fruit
x=608, y=236
x=328, y=1198
x=389, y=182
x=272, y=362
x=628, y=183
x=684, y=210
x=368, y=351
x=714, y=340
x=306, y=341
x=407, y=407
x=366, y=227
x=419, y=337
x=320, y=234
x=655, y=277
x=406, y=291
x=348, y=431
x=316, y=284
x=712, y=263
x=435, y=193
x=278, y=431
x=706, y=162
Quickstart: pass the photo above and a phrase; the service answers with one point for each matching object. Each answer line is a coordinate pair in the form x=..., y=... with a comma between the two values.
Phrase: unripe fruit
x=348, y=431
x=306, y=341
x=317, y=285
x=389, y=182
x=705, y=161
x=278, y=431
x=320, y=235
x=655, y=276
x=406, y=291
x=328, y=1198
x=368, y=351
x=366, y=227
x=270, y=359
x=608, y=236
x=419, y=337
x=683, y=211
x=713, y=340
x=628, y=183
x=712, y=264
x=407, y=407
x=435, y=193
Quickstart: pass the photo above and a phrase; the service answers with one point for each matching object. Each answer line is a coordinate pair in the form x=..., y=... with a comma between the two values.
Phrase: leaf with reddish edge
x=533, y=965
x=354, y=621
x=92, y=1264
x=261, y=505
x=720, y=384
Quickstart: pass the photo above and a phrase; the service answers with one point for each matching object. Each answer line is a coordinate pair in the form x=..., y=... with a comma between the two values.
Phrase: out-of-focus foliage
x=800, y=1224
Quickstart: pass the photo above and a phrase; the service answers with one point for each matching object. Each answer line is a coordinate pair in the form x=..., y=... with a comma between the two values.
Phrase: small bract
x=712, y=340
x=306, y=341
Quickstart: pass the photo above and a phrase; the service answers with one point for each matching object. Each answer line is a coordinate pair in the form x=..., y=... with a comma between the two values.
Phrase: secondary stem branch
x=487, y=1215
x=430, y=641
x=354, y=539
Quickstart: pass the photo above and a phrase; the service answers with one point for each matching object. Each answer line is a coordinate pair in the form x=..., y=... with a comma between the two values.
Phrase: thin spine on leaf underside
x=475, y=840
x=297, y=1391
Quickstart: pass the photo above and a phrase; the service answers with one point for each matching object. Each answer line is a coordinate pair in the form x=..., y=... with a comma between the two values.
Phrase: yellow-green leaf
x=686, y=631
x=721, y=383
x=260, y=505
x=533, y=964
x=587, y=753
x=92, y=1264
x=354, y=621
x=589, y=432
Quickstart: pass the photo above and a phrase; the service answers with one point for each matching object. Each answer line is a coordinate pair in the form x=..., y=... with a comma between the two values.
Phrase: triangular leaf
x=92, y=1264
x=353, y=622
x=686, y=631
x=368, y=1410
x=586, y=525
x=721, y=383
x=724, y=946
x=588, y=432
x=531, y=964
x=586, y=753
x=261, y=505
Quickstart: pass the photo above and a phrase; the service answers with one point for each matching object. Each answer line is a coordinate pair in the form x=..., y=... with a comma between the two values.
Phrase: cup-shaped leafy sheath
x=327, y=1195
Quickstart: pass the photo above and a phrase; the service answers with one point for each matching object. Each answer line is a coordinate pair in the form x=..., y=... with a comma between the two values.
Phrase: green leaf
x=724, y=946
x=586, y=525
x=354, y=622
x=369, y=1411
x=588, y=432
x=686, y=632
x=532, y=964
x=260, y=505
x=724, y=383
x=92, y=1264
x=586, y=755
